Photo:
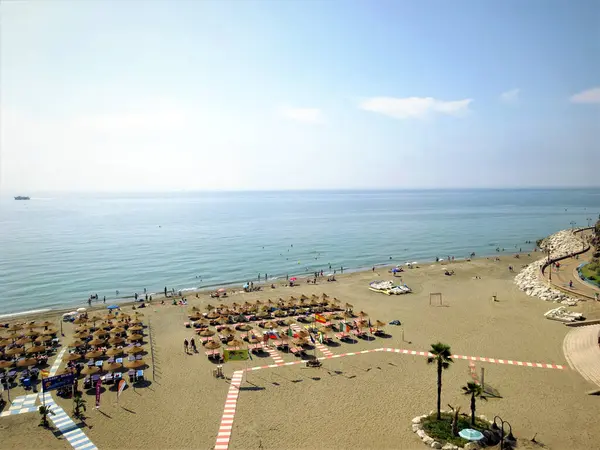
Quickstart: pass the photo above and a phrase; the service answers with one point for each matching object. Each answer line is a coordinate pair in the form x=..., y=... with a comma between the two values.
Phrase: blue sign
x=51, y=383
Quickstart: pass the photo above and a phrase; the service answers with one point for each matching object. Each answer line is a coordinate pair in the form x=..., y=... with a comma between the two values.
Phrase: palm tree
x=474, y=390
x=78, y=405
x=440, y=354
x=44, y=412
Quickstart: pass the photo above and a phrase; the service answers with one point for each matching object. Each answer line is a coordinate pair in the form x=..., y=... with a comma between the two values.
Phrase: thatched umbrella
x=133, y=350
x=363, y=314
x=324, y=296
x=116, y=340
x=117, y=330
x=15, y=327
x=90, y=370
x=94, y=354
x=235, y=343
x=279, y=313
x=137, y=364
x=45, y=324
x=80, y=320
x=76, y=343
x=206, y=333
x=112, y=366
x=135, y=328
x=209, y=307
x=72, y=357
x=244, y=327
x=96, y=342
x=195, y=316
x=24, y=340
x=32, y=333
x=135, y=337
x=6, y=364
x=110, y=317
x=100, y=333
x=212, y=345
x=12, y=336
x=380, y=324
x=303, y=297
x=5, y=342
x=270, y=325
x=14, y=351
x=213, y=315
x=31, y=325
x=114, y=351
x=27, y=362
x=195, y=308
x=254, y=339
x=41, y=339
x=222, y=320
x=36, y=349
x=49, y=332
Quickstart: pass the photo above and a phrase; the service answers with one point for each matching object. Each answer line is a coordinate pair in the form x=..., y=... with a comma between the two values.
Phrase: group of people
x=190, y=346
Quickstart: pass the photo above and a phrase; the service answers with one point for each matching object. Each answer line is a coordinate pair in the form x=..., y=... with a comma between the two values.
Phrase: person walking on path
x=193, y=344
x=185, y=346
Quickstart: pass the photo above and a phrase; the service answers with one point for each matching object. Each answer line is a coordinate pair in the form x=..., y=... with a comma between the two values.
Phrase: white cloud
x=306, y=115
x=414, y=107
x=589, y=96
x=510, y=97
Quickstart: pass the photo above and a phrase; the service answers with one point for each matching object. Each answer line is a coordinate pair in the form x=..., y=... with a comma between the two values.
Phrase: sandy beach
x=365, y=400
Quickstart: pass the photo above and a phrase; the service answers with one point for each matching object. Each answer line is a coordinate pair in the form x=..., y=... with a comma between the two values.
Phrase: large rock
x=421, y=434
x=436, y=444
x=561, y=244
x=417, y=420
x=472, y=446
x=416, y=427
x=428, y=440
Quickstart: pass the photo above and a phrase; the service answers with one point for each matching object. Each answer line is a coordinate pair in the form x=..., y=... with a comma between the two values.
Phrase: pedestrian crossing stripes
x=57, y=362
x=274, y=354
x=65, y=425
x=224, y=434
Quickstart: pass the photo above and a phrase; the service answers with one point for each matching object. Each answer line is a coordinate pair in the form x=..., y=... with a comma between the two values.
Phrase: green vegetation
x=592, y=270
x=441, y=429
x=442, y=357
x=45, y=411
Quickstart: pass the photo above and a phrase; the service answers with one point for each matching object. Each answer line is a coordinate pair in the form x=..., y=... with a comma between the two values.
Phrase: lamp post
x=501, y=428
x=589, y=219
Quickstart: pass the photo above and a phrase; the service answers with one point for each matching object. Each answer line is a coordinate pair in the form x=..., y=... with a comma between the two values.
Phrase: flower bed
x=438, y=433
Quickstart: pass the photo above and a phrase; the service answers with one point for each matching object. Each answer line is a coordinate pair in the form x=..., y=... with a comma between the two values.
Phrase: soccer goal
x=435, y=299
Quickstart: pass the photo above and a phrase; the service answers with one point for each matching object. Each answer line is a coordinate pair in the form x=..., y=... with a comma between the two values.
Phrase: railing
x=586, y=247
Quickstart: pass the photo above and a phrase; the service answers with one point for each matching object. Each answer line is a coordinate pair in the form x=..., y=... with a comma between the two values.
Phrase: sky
x=175, y=95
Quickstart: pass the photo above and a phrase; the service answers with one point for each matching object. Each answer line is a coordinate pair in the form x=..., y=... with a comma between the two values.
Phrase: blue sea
x=57, y=250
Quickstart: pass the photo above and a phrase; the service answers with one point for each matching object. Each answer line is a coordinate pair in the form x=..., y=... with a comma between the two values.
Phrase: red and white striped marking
x=273, y=354
x=510, y=362
x=224, y=434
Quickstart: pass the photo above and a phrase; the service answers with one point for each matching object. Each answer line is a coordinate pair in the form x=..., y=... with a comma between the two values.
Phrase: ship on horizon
x=21, y=197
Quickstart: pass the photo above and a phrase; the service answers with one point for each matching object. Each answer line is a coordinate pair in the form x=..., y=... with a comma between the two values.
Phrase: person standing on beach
x=185, y=346
x=104, y=299
x=165, y=291
x=259, y=277
x=266, y=277
x=193, y=344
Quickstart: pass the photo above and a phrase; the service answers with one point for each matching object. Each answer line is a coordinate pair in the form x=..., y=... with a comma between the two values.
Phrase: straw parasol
x=116, y=340
x=235, y=343
x=76, y=344
x=116, y=330
x=138, y=314
x=100, y=333
x=195, y=316
x=110, y=317
x=5, y=342
x=114, y=351
x=254, y=339
x=15, y=327
x=94, y=354
x=80, y=320
x=32, y=333
x=96, y=342
x=301, y=341
x=212, y=315
x=27, y=362
x=212, y=345
x=133, y=350
x=270, y=325
x=135, y=337
x=12, y=336
x=112, y=366
x=207, y=333
x=325, y=330
x=363, y=314
x=24, y=340
x=134, y=364
x=14, y=351
x=49, y=332
x=80, y=335
x=379, y=324
x=245, y=327
x=6, y=364
x=45, y=324
x=72, y=357
x=90, y=370
x=36, y=349
x=31, y=325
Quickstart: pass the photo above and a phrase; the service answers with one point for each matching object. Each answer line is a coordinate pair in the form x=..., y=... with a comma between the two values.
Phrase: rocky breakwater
x=529, y=281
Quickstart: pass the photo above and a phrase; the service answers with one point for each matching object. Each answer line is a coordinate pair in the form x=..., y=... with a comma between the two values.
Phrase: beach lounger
x=108, y=378
x=119, y=360
x=99, y=364
x=187, y=324
x=95, y=379
x=117, y=377
x=139, y=375
x=131, y=375
x=138, y=357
